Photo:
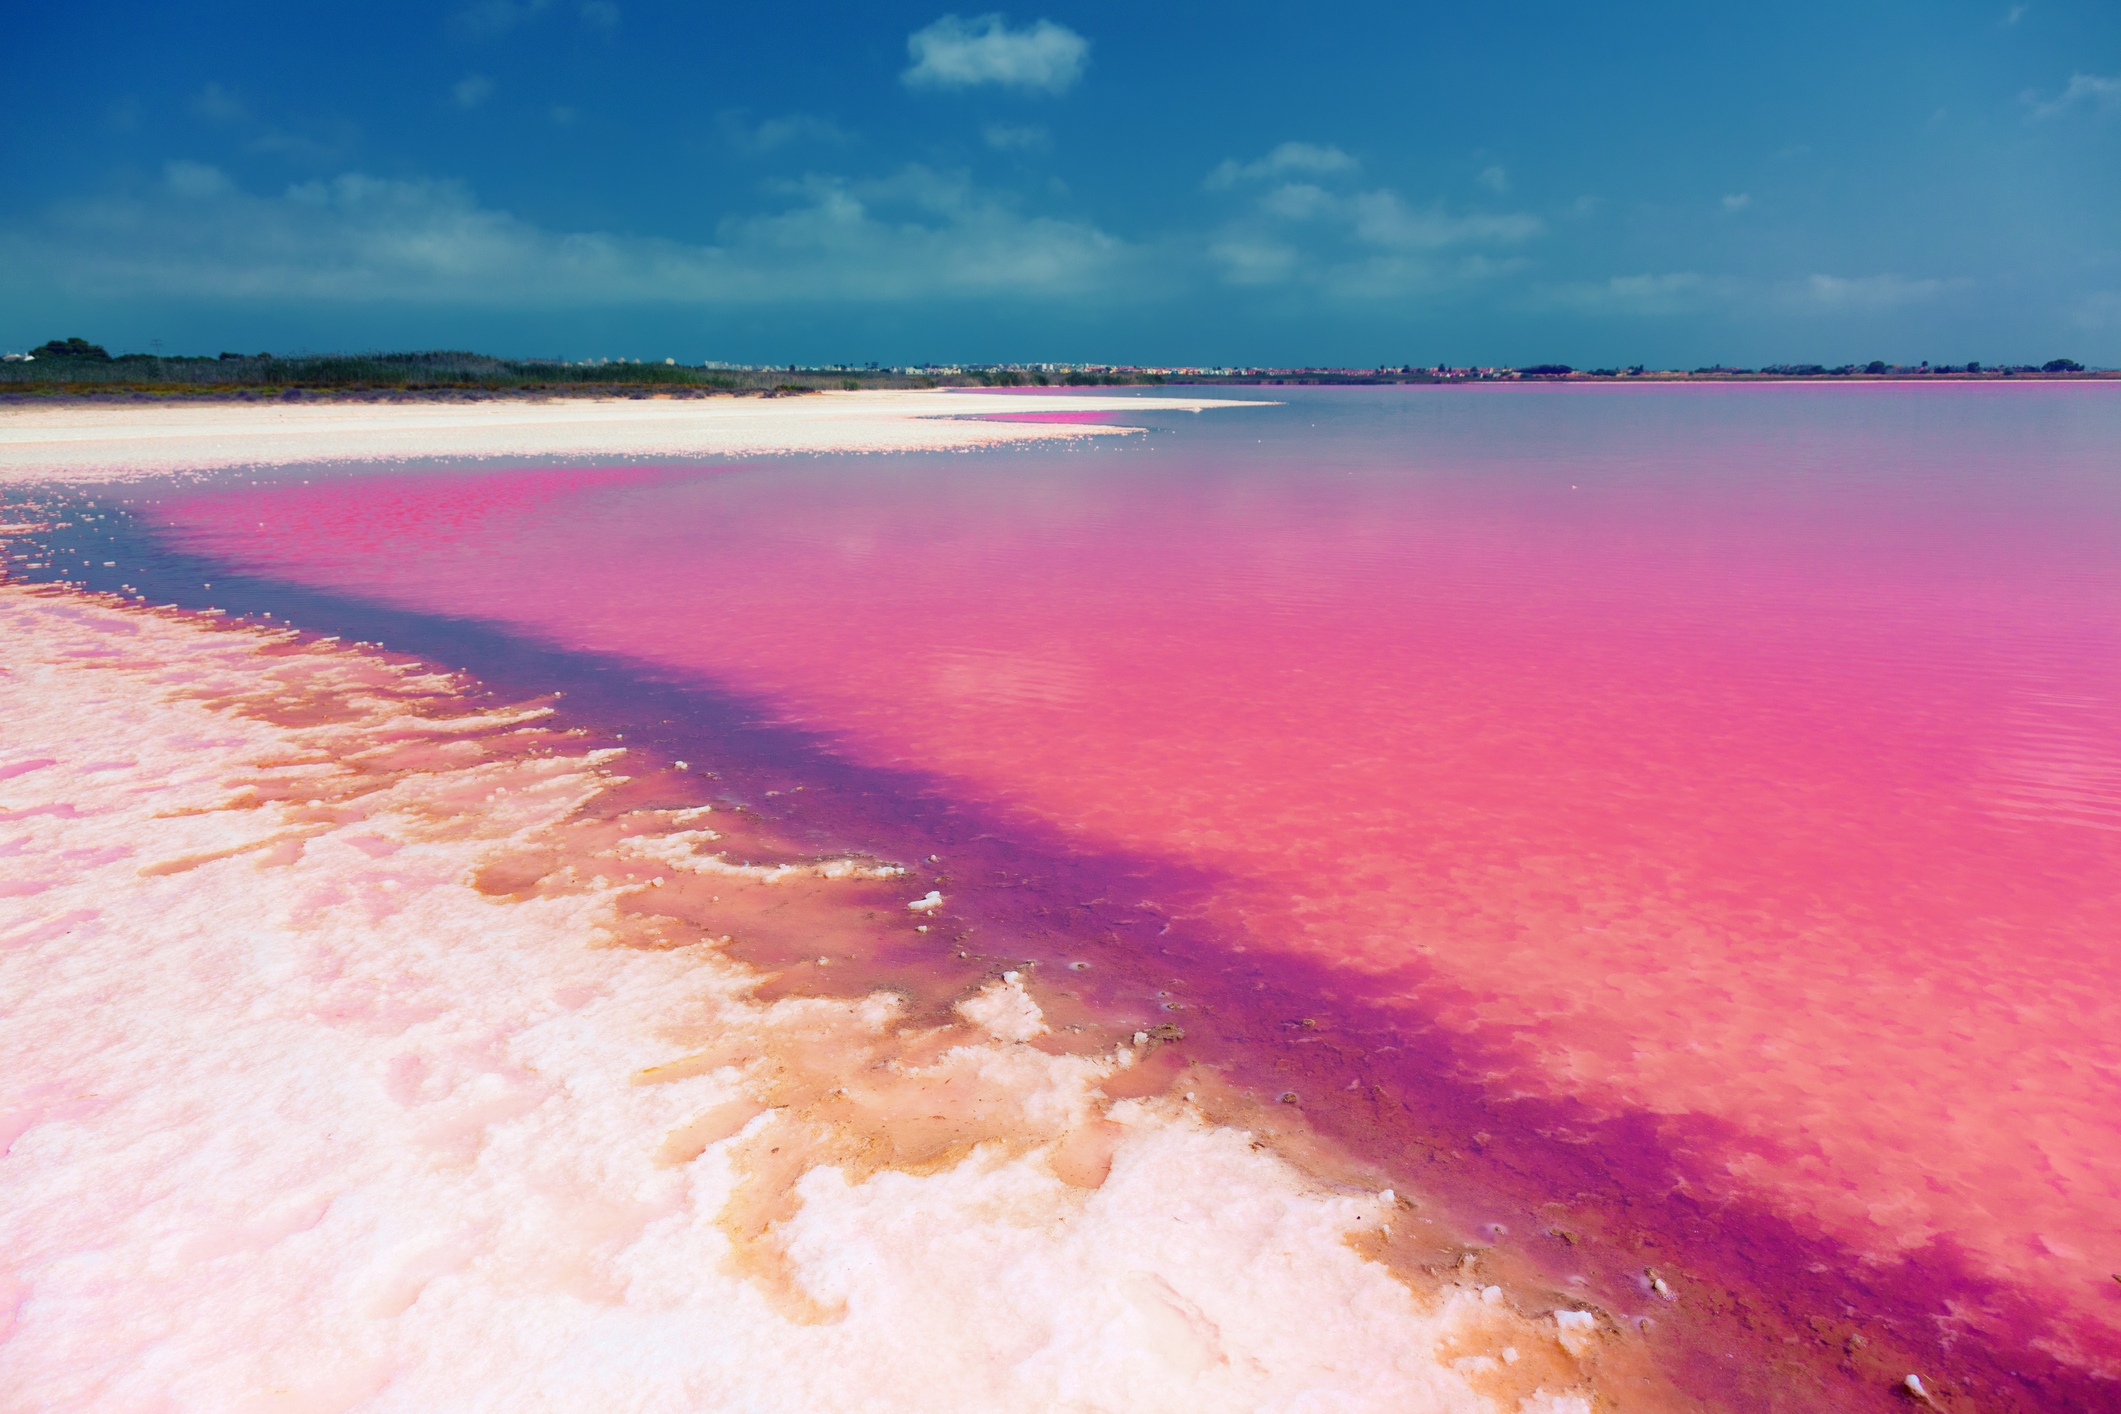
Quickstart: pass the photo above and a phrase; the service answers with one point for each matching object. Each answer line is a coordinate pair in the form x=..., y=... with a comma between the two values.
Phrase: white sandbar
x=82, y=441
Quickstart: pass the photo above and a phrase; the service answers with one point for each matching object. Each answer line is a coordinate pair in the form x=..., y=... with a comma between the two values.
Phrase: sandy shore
x=85, y=442
x=354, y=1054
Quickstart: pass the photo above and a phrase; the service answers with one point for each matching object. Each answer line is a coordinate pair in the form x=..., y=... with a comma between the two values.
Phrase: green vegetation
x=76, y=348
x=77, y=366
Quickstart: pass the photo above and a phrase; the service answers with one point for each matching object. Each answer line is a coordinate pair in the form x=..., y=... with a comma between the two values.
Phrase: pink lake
x=1706, y=800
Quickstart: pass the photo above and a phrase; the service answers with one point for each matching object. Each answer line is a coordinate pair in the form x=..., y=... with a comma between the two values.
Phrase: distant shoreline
x=1602, y=380
x=58, y=394
x=76, y=370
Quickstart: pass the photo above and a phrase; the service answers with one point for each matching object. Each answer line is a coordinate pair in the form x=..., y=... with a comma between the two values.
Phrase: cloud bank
x=918, y=234
x=1679, y=294
x=1299, y=234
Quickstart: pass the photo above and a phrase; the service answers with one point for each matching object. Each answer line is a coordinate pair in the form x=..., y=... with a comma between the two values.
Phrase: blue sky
x=1671, y=184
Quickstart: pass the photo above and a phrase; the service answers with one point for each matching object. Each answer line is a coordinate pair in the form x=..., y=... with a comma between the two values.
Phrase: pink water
x=1725, y=783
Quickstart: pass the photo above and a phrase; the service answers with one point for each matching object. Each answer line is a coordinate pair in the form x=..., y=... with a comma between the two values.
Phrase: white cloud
x=1836, y=294
x=958, y=53
x=1299, y=201
x=471, y=90
x=1678, y=292
x=195, y=180
x=492, y=18
x=1289, y=157
x=2014, y=14
x=772, y=134
x=1010, y=137
x=2102, y=94
x=1368, y=244
x=1495, y=179
x=916, y=235
x=220, y=105
x=1382, y=219
x=2101, y=309
x=308, y=151
x=1737, y=201
x=1255, y=261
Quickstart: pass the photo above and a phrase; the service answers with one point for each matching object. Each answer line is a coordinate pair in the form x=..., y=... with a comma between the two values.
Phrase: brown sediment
x=906, y=1096
x=869, y=1100
x=192, y=861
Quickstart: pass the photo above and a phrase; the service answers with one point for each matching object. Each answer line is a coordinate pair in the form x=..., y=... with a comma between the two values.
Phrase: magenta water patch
x=1741, y=764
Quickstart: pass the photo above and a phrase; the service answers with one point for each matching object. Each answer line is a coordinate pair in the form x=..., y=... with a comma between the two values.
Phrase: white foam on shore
x=78, y=442
x=300, y=1115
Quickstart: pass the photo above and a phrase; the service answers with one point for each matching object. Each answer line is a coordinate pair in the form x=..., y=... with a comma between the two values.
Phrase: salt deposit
x=81, y=442
x=346, y=1068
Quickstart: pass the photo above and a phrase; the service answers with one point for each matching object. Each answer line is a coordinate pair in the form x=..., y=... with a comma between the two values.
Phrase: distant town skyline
x=1666, y=185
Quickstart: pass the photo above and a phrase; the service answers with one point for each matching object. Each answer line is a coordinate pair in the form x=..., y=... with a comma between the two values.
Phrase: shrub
x=75, y=348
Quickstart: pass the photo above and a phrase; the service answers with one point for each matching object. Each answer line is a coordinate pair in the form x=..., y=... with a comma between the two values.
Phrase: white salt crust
x=77, y=443
x=319, y=1126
